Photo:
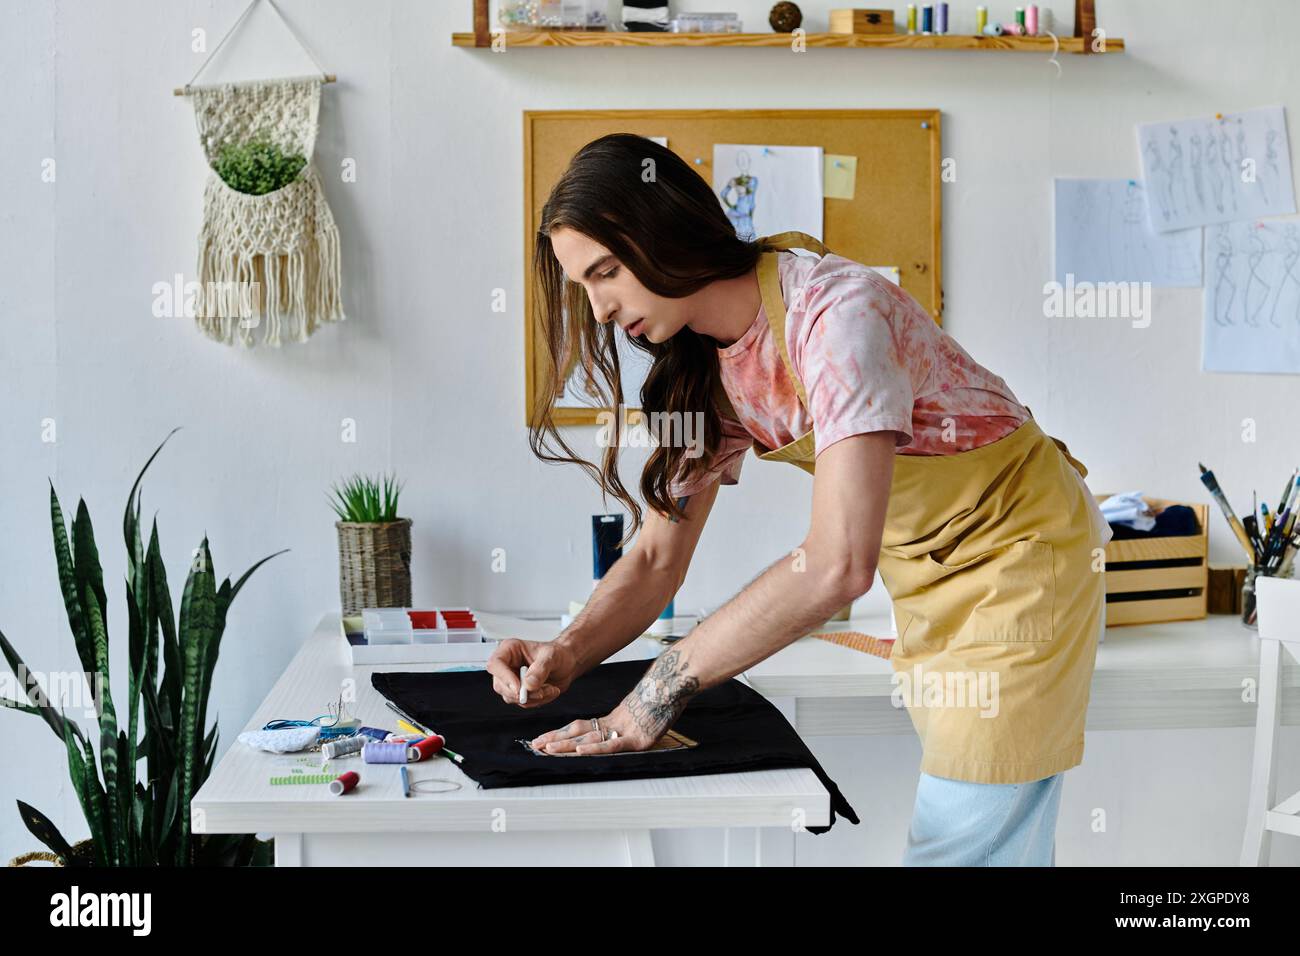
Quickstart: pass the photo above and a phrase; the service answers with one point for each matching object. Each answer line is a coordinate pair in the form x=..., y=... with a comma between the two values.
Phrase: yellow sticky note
x=838, y=175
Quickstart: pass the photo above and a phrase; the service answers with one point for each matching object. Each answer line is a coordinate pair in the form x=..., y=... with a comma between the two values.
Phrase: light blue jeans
x=955, y=823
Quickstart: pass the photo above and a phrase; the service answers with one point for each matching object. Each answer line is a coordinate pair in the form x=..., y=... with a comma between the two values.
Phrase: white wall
x=433, y=224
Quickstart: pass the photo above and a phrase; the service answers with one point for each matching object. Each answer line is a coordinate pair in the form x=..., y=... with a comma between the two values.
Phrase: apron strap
x=769, y=283
x=793, y=239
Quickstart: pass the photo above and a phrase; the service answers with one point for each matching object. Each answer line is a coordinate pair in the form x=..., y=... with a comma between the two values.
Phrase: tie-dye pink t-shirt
x=870, y=358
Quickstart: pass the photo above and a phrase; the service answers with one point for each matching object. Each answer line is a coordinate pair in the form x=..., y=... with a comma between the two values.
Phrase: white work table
x=1156, y=676
x=599, y=823
x=1148, y=676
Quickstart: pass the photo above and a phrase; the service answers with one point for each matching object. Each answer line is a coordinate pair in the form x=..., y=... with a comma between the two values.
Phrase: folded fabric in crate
x=1129, y=509
x=733, y=729
x=1173, y=521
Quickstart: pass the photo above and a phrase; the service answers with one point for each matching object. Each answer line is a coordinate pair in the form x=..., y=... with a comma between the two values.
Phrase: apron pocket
x=1010, y=591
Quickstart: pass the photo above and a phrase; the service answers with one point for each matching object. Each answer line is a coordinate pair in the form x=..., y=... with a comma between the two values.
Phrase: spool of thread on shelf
x=981, y=19
x=424, y=749
x=1031, y=19
x=992, y=30
x=941, y=18
x=1013, y=29
x=1020, y=18
x=376, y=752
x=911, y=18
x=927, y=19
x=344, y=783
x=341, y=748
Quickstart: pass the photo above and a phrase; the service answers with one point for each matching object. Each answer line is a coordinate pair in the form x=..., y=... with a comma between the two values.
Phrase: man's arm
x=835, y=564
x=639, y=585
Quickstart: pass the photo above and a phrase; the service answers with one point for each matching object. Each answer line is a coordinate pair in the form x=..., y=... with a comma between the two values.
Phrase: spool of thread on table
x=376, y=752
x=374, y=733
x=424, y=749
x=341, y=748
x=344, y=782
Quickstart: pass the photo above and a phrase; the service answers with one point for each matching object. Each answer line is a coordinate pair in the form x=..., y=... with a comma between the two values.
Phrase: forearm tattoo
x=659, y=698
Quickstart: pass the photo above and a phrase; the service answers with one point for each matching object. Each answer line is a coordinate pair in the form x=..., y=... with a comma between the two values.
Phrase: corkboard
x=893, y=219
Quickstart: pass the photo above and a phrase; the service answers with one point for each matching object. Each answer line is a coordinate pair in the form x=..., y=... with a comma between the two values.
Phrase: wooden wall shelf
x=899, y=41
x=1085, y=21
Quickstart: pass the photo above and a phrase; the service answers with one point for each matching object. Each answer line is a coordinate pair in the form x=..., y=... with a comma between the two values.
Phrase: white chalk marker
x=523, y=691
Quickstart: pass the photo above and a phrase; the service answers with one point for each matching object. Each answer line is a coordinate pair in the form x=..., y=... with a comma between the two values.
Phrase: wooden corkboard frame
x=893, y=219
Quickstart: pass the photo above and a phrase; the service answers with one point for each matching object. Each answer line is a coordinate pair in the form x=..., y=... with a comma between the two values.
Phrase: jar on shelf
x=705, y=23
x=553, y=14
x=1248, y=615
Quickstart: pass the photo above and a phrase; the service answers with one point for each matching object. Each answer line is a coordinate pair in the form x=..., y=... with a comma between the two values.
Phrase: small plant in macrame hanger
x=257, y=166
x=269, y=253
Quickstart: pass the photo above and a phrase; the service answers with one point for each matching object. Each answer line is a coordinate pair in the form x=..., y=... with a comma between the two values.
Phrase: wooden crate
x=1174, y=590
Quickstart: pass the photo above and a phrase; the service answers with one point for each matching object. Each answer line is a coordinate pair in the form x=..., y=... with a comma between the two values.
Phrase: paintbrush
x=1208, y=479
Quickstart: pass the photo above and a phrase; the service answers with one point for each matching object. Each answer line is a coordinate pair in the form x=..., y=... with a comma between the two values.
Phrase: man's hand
x=551, y=668
x=645, y=714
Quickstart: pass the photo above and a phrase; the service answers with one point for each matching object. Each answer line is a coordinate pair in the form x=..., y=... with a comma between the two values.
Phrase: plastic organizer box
x=416, y=635
x=453, y=625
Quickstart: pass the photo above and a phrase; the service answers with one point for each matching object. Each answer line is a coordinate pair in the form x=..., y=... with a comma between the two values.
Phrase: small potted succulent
x=374, y=544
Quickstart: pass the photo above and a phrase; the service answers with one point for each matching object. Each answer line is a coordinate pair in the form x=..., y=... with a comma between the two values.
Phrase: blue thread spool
x=374, y=733
x=376, y=752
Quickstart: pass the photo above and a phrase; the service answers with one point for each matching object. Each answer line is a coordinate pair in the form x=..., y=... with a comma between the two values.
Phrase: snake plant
x=134, y=822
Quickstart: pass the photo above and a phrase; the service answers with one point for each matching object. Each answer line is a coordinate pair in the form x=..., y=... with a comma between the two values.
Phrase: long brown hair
x=654, y=212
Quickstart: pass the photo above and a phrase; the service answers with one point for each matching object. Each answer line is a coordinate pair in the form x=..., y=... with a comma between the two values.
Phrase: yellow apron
x=989, y=556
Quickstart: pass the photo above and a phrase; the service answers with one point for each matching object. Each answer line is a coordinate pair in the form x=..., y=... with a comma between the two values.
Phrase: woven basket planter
x=83, y=854
x=374, y=565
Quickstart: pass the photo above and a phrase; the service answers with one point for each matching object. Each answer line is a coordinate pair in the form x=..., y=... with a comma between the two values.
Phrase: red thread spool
x=344, y=782
x=426, y=748
x=423, y=619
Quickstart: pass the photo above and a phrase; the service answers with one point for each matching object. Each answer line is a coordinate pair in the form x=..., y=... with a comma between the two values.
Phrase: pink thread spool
x=1031, y=19
x=344, y=783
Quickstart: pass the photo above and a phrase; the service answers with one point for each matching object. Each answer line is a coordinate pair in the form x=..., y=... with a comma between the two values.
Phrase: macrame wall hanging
x=269, y=262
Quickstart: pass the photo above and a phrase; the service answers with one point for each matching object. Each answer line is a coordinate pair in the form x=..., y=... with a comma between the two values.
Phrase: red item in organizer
x=423, y=619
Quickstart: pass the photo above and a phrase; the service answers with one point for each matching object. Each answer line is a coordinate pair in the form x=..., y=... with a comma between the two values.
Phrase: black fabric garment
x=1176, y=520
x=735, y=727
